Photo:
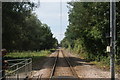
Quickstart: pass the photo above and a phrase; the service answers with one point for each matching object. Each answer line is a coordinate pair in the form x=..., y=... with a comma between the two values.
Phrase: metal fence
x=0, y=74
x=18, y=69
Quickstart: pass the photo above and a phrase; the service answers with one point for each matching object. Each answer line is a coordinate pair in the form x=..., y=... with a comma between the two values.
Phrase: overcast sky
x=50, y=13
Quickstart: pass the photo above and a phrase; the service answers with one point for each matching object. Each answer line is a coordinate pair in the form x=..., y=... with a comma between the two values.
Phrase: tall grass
x=27, y=54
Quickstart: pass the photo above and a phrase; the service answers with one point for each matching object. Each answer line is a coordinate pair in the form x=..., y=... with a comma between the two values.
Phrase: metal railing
x=18, y=69
x=0, y=74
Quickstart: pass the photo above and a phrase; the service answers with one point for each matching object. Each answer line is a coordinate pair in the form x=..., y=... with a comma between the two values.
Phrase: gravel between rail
x=62, y=67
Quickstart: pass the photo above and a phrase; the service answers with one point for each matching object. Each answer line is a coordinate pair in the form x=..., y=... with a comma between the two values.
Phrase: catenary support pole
x=112, y=38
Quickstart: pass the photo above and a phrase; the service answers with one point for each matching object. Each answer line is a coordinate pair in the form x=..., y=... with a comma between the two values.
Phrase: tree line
x=88, y=26
x=22, y=30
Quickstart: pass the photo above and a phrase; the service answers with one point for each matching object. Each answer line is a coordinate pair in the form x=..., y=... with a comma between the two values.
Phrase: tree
x=13, y=17
x=88, y=25
x=22, y=30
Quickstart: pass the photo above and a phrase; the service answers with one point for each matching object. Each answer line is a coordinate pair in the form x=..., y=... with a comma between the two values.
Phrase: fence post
x=30, y=66
x=17, y=73
x=26, y=67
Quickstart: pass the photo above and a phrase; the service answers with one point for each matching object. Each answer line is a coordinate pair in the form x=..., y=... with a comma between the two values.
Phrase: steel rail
x=54, y=66
x=71, y=66
x=52, y=72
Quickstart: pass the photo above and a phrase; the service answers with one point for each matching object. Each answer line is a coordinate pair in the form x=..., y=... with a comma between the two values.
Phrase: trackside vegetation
x=28, y=54
x=24, y=35
x=22, y=30
x=86, y=33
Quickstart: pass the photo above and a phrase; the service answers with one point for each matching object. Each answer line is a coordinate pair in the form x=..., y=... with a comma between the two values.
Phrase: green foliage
x=88, y=25
x=28, y=54
x=22, y=30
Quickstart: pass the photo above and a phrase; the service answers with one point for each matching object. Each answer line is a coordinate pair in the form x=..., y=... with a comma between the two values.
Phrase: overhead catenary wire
x=60, y=18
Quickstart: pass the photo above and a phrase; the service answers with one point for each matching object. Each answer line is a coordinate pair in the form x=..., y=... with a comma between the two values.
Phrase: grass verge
x=37, y=57
x=28, y=54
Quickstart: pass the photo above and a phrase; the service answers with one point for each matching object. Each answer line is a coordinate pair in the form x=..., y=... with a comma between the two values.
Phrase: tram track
x=70, y=65
x=54, y=66
x=59, y=66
